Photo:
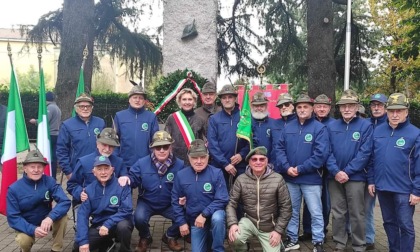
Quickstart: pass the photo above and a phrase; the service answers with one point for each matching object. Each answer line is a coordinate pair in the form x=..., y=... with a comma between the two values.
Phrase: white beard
x=259, y=115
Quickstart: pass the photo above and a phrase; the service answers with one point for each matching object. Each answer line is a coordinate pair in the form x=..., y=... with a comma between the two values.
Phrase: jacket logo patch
x=308, y=137
x=96, y=131
x=356, y=135
x=400, y=142
x=145, y=126
x=207, y=187
x=268, y=132
x=113, y=200
x=47, y=195
x=170, y=176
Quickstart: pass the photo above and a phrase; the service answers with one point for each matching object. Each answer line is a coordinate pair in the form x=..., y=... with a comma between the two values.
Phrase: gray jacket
x=54, y=117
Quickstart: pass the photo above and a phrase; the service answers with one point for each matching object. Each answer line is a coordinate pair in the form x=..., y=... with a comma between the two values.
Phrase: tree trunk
x=78, y=31
x=321, y=64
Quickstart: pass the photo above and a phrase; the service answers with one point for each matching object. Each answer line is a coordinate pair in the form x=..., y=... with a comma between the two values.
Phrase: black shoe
x=318, y=247
x=289, y=245
x=370, y=246
x=305, y=237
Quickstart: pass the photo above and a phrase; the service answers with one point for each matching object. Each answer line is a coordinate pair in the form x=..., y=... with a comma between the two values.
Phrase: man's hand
x=275, y=239
x=414, y=200
x=236, y=159
x=232, y=232
x=292, y=171
x=46, y=224
x=83, y=195
x=182, y=201
x=200, y=221
x=33, y=121
x=184, y=230
x=124, y=180
x=230, y=169
x=371, y=190
x=84, y=248
x=39, y=232
x=68, y=176
x=341, y=177
x=103, y=231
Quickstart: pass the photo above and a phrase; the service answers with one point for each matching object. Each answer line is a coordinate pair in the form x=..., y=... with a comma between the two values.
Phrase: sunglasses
x=286, y=105
x=261, y=159
x=163, y=147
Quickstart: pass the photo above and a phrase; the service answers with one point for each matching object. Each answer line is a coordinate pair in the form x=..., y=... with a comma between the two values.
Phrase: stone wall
x=198, y=53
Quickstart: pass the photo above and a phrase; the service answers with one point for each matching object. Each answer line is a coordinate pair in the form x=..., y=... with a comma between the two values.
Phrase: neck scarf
x=162, y=167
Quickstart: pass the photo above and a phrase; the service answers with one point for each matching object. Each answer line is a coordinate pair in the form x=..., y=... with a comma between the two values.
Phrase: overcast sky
x=16, y=12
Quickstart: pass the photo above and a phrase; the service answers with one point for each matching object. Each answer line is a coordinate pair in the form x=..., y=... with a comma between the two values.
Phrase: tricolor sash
x=184, y=127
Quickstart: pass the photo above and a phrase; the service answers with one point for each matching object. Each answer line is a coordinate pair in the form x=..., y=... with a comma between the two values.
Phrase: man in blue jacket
x=77, y=136
x=135, y=126
x=154, y=176
x=226, y=150
x=378, y=116
x=29, y=205
x=322, y=109
x=303, y=149
x=203, y=188
x=351, y=145
x=264, y=128
x=83, y=172
x=394, y=173
x=111, y=209
x=285, y=105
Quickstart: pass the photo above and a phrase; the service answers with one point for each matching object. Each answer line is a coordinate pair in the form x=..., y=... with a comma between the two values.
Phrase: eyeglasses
x=286, y=105
x=379, y=105
x=84, y=106
x=162, y=147
x=103, y=168
x=261, y=159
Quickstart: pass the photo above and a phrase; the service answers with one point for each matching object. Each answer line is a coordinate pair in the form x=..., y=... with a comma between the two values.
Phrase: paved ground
x=159, y=224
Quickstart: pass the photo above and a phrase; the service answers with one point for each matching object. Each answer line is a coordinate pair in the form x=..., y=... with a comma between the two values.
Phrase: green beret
x=260, y=150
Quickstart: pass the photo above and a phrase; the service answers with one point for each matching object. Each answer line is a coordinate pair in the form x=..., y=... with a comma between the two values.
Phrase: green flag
x=244, y=127
x=80, y=87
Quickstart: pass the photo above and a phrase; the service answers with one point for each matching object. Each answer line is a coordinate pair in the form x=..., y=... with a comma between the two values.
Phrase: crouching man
x=204, y=189
x=267, y=208
x=29, y=205
x=111, y=209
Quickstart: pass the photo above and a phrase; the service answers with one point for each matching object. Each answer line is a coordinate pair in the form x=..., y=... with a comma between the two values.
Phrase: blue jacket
x=107, y=205
x=351, y=146
x=395, y=162
x=264, y=134
x=135, y=128
x=376, y=121
x=154, y=190
x=282, y=122
x=29, y=202
x=77, y=139
x=205, y=191
x=326, y=120
x=221, y=137
x=305, y=146
x=82, y=174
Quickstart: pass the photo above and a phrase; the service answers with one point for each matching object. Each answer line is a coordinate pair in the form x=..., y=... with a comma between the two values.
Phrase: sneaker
x=370, y=246
x=305, y=237
x=318, y=247
x=172, y=243
x=289, y=245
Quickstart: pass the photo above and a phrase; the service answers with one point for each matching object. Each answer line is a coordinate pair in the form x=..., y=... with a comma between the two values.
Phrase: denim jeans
x=397, y=214
x=370, y=221
x=212, y=235
x=312, y=196
x=142, y=217
x=326, y=208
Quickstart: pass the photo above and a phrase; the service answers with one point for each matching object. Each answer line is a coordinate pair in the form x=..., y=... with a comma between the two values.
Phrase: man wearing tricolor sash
x=185, y=125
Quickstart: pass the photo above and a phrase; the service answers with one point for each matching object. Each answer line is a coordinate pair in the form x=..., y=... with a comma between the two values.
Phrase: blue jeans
x=212, y=235
x=312, y=196
x=326, y=208
x=397, y=214
x=142, y=217
x=370, y=221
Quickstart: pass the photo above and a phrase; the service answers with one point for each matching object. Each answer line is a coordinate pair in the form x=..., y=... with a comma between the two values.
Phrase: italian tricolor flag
x=43, y=137
x=15, y=140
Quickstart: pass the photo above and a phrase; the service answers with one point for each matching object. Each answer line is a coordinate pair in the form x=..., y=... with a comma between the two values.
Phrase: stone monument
x=190, y=36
